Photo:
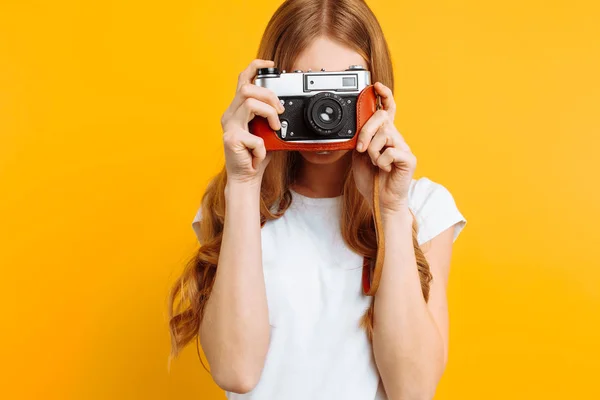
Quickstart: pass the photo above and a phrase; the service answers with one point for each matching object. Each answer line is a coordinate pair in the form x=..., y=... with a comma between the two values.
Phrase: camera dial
x=268, y=71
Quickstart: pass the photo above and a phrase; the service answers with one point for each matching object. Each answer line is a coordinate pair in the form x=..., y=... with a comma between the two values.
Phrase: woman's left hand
x=380, y=145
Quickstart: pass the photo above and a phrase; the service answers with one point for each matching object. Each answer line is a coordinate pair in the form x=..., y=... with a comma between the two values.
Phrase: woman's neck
x=322, y=180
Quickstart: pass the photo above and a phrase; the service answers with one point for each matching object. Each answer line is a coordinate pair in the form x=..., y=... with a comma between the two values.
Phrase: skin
x=410, y=340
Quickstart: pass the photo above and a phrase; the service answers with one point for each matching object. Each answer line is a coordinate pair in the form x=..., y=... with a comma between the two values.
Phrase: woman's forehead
x=328, y=54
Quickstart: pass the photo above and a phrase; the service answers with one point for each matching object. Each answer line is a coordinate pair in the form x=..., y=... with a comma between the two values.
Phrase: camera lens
x=325, y=113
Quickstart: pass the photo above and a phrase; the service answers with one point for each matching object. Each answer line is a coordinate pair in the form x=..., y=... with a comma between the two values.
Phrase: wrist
x=397, y=216
x=247, y=189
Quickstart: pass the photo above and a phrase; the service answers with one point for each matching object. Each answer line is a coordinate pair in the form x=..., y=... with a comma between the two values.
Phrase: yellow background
x=109, y=129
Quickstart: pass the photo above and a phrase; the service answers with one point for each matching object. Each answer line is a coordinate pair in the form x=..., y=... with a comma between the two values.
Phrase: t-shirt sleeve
x=196, y=222
x=435, y=209
x=198, y=216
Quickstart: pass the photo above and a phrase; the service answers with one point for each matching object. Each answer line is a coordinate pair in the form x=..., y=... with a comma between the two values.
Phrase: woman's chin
x=323, y=157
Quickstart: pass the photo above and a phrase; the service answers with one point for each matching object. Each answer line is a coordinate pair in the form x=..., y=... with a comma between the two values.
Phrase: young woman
x=274, y=294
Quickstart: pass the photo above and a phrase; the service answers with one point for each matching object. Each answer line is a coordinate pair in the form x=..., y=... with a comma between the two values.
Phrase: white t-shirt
x=315, y=299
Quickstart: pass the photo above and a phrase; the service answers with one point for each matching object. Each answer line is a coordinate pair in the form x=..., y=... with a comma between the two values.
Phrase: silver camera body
x=320, y=107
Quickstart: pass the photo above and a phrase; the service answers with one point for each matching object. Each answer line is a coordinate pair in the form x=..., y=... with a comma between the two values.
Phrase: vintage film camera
x=323, y=110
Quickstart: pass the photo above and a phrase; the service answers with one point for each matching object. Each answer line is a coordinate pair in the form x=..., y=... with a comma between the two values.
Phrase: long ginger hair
x=294, y=25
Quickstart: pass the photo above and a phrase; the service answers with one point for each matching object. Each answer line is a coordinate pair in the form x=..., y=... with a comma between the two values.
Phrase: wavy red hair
x=293, y=26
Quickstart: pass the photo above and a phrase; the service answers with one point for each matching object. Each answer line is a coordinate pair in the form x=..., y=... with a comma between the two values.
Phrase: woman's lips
x=323, y=152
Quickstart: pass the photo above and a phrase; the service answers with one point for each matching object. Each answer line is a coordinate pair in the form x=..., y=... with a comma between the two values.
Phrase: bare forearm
x=407, y=344
x=235, y=329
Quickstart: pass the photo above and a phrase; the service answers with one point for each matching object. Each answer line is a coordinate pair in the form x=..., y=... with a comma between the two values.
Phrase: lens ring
x=325, y=113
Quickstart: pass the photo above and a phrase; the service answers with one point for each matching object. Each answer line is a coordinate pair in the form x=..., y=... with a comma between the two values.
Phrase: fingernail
x=359, y=147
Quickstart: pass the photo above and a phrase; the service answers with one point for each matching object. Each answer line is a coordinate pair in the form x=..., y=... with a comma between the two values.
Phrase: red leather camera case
x=366, y=104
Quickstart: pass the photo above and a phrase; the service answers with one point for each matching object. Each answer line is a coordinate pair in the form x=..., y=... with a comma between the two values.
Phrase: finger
x=256, y=145
x=250, y=90
x=383, y=137
x=239, y=140
x=252, y=107
x=247, y=74
x=402, y=145
x=394, y=156
x=387, y=99
x=369, y=129
x=386, y=159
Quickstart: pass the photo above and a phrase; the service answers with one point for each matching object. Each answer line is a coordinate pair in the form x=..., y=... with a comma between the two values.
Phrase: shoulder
x=435, y=209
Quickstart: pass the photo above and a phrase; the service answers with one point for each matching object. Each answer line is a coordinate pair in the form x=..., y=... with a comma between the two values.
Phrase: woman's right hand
x=245, y=154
